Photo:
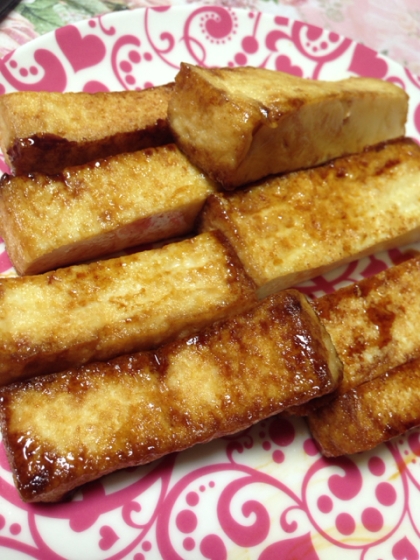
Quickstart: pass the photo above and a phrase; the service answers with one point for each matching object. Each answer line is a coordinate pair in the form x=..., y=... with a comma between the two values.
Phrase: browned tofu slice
x=242, y=124
x=374, y=323
x=290, y=228
x=100, y=208
x=66, y=429
x=373, y=326
x=47, y=131
x=370, y=414
x=96, y=311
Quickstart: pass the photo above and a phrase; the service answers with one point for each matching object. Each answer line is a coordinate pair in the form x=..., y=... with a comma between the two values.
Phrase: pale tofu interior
x=242, y=124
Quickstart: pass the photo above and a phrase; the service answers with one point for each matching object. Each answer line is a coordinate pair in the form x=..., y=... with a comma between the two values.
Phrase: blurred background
x=391, y=27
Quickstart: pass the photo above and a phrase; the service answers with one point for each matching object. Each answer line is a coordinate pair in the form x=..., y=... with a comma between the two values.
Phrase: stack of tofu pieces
x=157, y=238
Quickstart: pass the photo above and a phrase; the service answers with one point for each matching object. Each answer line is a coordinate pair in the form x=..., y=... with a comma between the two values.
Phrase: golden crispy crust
x=373, y=323
x=100, y=208
x=373, y=326
x=290, y=228
x=46, y=131
x=96, y=311
x=370, y=414
x=66, y=429
x=242, y=124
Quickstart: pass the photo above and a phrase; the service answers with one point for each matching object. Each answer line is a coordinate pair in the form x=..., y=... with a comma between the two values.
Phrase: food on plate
x=373, y=323
x=373, y=326
x=47, y=131
x=99, y=208
x=154, y=352
x=63, y=430
x=287, y=229
x=242, y=124
x=369, y=414
x=96, y=311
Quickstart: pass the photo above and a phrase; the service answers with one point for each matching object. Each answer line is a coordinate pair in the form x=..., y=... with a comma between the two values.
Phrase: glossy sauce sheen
x=371, y=413
x=63, y=430
x=288, y=229
x=242, y=124
x=374, y=323
x=374, y=327
x=97, y=311
x=109, y=205
x=47, y=131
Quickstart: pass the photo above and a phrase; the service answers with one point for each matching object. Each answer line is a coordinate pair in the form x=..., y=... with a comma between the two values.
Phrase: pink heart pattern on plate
x=81, y=52
x=267, y=490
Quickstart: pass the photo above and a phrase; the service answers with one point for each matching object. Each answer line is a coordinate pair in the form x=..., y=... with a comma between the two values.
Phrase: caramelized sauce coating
x=373, y=323
x=66, y=429
x=102, y=207
x=371, y=413
x=242, y=124
x=100, y=310
x=47, y=131
x=289, y=228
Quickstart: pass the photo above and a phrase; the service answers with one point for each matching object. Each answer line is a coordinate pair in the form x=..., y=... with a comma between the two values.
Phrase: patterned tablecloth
x=391, y=27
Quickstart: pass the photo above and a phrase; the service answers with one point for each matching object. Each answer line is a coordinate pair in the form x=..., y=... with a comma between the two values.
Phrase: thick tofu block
x=47, y=131
x=97, y=311
x=290, y=228
x=373, y=326
x=100, y=208
x=374, y=323
x=63, y=430
x=370, y=414
x=242, y=124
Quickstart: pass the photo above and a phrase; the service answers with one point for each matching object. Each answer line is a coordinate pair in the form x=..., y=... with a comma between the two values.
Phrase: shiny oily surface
x=373, y=323
x=65, y=429
x=46, y=133
x=191, y=503
x=371, y=413
x=288, y=229
x=109, y=205
x=96, y=311
x=242, y=124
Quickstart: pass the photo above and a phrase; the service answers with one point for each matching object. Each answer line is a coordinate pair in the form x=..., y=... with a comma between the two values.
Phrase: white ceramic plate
x=265, y=494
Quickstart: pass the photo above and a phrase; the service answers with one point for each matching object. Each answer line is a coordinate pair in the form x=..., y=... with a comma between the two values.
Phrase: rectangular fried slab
x=66, y=429
x=97, y=311
x=47, y=131
x=287, y=229
x=99, y=208
x=373, y=326
x=370, y=414
x=242, y=124
x=374, y=323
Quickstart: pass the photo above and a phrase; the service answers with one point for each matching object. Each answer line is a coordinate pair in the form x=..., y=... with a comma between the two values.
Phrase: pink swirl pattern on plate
x=265, y=493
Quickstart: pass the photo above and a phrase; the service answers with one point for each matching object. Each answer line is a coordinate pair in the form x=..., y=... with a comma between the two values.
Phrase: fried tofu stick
x=63, y=430
x=290, y=228
x=370, y=414
x=373, y=326
x=97, y=311
x=374, y=323
x=47, y=131
x=100, y=208
x=242, y=124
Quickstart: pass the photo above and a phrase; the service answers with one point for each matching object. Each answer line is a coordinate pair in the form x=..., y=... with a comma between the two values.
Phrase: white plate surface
x=265, y=494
